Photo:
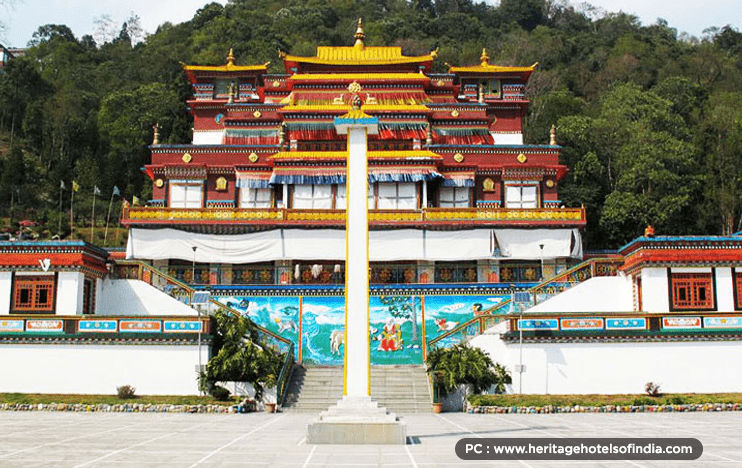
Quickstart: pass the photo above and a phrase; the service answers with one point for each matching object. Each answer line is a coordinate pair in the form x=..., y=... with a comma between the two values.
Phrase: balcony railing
x=425, y=217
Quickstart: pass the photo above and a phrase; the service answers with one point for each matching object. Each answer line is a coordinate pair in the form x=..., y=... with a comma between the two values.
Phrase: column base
x=357, y=421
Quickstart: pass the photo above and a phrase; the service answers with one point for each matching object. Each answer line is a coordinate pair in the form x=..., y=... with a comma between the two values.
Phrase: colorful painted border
x=45, y=326
x=11, y=326
x=625, y=323
x=100, y=326
x=582, y=323
x=538, y=324
x=182, y=326
x=140, y=326
x=688, y=323
x=722, y=322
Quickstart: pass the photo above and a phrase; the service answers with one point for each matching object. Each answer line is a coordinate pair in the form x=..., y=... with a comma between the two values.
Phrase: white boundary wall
x=609, y=368
x=99, y=369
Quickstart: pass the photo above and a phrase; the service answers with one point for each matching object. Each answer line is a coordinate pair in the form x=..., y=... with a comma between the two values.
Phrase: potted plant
x=268, y=383
x=462, y=366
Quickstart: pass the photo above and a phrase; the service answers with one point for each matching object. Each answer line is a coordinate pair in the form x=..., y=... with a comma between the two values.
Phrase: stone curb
x=118, y=408
x=690, y=408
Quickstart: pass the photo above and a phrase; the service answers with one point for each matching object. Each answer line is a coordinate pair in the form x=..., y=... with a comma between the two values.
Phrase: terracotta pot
x=437, y=408
x=270, y=407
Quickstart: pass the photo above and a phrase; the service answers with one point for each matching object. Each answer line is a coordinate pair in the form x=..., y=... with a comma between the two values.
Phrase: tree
x=239, y=357
x=403, y=307
x=720, y=140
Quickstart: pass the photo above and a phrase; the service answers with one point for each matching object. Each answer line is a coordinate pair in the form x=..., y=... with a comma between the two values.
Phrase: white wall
x=6, y=283
x=99, y=369
x=724, y=290
x=609, y=368
x=508, y=138
x=208, y=137
x=655, y=292
x=601, y=294
x=134, y=297
x=69, y=293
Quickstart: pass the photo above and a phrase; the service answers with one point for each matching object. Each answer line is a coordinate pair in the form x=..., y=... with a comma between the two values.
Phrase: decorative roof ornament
x=230, y=57
x=552, y=135
x=156, y=136
x=360, y=35
x=485, y=59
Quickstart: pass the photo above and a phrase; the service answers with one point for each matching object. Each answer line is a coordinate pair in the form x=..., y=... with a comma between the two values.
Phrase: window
x=518, y=195
x=33, y=294
x=692, y=291
x=523, y=271
x=221, y=88
x=392, y=273
x=186, y=195
x=255, y=197
x=453, y=197
x=317, y=197
x=397, y=196
x=456, y=272
x=738, y=289
x=491, y=87
x=88, y=296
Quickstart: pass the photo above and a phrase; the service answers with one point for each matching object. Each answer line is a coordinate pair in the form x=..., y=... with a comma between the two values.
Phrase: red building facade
x=454, y=194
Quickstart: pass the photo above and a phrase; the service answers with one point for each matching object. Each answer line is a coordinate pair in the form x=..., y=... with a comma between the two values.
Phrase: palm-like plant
x=461, y=364
x=238, y=355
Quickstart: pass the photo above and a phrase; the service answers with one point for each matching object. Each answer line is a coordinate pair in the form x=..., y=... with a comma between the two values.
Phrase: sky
x=25, y=17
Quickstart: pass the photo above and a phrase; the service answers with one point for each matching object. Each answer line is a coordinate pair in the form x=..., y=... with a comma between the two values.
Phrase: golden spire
x=485, y=59
x=230, y=57
x=360, y=35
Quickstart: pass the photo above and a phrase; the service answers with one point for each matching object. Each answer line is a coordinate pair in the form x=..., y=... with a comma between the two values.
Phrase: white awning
x=329, y=244
x=525, y=244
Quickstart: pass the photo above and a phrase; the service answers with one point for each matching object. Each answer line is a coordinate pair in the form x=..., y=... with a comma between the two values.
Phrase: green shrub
x=220, y=393
x=676, y=400
x=643, y=401
x=126, y=392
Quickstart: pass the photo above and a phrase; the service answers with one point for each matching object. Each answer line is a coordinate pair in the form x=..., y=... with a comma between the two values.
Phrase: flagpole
x=59, y=228
x=72, y=215
x=108, y=216
x=92, y=224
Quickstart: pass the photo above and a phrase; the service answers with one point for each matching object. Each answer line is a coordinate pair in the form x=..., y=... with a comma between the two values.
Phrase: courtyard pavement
x=132, y=440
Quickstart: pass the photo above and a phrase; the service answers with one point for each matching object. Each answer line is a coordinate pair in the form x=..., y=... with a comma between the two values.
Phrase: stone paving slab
x=257, y=440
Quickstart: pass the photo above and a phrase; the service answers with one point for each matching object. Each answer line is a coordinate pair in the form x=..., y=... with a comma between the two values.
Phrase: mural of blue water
x=399, y=326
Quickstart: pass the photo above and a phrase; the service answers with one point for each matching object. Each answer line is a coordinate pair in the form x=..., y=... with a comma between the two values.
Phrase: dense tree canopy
x=650, y=122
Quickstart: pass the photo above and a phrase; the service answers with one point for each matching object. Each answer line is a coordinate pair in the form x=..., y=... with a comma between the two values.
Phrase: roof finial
x=230, y=57
x=552, y=135
x=485, y=59
x=360, y=35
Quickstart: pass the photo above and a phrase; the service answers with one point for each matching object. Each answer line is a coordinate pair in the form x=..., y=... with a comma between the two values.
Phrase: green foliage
x=126, y=392
x=464, y=365
x=641, y=113
x=238, y=356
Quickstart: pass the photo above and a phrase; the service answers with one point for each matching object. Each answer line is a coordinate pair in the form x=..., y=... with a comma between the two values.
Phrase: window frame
x=254, y=200
x=678, y=282
x=520, y=185
x=198, y=184
x=314, y=198
x=49, y=283
x=455, y=190
x=415, y=197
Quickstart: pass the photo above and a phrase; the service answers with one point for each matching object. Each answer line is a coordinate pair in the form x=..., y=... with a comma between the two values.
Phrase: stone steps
x=400, y=389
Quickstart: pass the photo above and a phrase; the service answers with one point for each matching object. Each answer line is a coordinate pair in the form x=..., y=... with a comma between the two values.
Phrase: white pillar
x=357, y=354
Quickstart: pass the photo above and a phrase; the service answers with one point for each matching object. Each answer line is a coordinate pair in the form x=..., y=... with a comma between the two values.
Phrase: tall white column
x=357, y=358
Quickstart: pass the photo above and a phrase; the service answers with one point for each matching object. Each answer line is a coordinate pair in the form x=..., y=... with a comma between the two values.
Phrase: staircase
x=402, y=389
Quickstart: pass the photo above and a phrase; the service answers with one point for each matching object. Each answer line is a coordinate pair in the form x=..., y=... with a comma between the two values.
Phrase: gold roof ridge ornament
x=484, y=58
x=360, y=35
x=230, y=58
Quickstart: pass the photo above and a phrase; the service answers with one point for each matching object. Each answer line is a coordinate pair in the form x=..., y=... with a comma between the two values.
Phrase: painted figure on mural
x=391, y=337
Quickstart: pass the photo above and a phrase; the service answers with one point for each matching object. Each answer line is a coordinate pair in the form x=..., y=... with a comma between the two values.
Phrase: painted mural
x=278, y=314
x=323, y=330
x=395, y=330
x=399, y=325
x=444, y=313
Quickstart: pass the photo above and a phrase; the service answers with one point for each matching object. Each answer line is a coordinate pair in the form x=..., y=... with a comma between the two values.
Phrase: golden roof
x=359, y=54
x=229, y=67
x=485, y=67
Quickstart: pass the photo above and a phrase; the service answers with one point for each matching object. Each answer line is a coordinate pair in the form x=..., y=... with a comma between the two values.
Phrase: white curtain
x=329, y=244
